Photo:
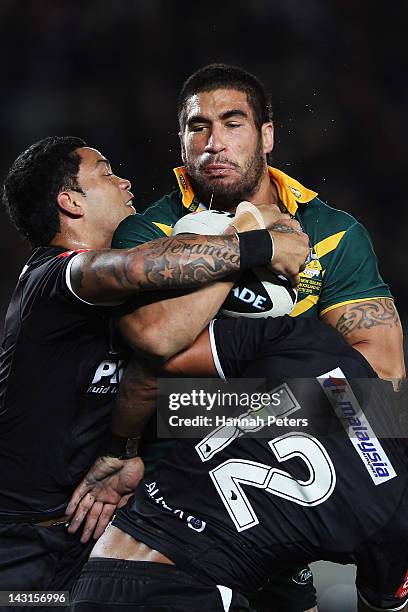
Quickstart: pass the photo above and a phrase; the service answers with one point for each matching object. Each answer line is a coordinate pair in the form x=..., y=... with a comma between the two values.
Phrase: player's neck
x=72, y=241
x=266, y=191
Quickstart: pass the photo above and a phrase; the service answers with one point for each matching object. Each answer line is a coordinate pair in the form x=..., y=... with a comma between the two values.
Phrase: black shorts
x=382, y=576
x=114, y=585
x=382, y=564
x=287, y=591
x=36, y=558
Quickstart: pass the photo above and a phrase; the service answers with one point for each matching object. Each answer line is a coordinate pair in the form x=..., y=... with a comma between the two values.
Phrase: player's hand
x=108, y=485
x=291, y=250
x=271, y=215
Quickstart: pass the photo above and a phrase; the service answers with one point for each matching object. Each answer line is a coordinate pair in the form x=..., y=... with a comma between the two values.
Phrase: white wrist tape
x=247, y=207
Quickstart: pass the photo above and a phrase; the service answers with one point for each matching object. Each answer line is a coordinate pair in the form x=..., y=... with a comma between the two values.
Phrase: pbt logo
x=113, y=369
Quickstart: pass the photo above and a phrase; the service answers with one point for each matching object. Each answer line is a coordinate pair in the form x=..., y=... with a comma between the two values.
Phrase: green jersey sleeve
x=155, y=222
x=135, y=230
x=351, y=274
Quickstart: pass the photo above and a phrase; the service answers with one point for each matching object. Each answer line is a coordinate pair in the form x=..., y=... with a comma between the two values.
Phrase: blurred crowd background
x=110, y=71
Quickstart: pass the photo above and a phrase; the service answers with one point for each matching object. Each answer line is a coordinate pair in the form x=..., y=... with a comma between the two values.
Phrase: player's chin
x=227, y=175
x=128, y=210
x=223, y=185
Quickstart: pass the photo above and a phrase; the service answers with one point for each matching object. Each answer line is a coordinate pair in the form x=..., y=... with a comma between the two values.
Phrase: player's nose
x=125, y=184
x=215, y=143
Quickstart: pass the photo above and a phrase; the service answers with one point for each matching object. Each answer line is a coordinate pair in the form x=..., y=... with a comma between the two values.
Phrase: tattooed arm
x=373, y=328
x=168, y=263
x=171, y=263
x=160, y=328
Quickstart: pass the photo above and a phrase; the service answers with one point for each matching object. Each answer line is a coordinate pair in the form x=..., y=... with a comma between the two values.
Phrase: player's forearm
x=184, y=262
x=168, y=263
x=169, y=326
x=136, y=400
x=196, y=360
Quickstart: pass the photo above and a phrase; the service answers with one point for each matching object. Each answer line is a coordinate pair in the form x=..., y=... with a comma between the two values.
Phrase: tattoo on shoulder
x=96, y=267
x=365, y=315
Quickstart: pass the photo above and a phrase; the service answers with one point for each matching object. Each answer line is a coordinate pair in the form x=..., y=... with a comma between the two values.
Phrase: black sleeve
x=237, y=342
x=48, y=280
x=48, y=307
x=283, y=347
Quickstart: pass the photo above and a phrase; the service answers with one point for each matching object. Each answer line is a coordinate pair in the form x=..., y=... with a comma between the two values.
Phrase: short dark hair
x=222, y=76
x=34, y=181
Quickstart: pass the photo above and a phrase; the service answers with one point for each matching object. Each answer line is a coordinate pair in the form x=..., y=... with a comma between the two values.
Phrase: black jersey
x=231, y=508
x=58, y=379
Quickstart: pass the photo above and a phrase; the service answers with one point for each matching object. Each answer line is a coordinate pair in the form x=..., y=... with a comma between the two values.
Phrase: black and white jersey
x=230, y=508
x=58, y=380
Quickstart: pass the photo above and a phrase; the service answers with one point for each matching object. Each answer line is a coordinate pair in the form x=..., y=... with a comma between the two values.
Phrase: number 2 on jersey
x=229, y=477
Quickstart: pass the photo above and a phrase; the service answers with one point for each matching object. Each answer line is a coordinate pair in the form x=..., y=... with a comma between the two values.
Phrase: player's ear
x=69, y=204
x=267, y=137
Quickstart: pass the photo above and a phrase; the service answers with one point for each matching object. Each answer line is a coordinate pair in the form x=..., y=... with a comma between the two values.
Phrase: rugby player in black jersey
x=59, y=371
x=201, y=538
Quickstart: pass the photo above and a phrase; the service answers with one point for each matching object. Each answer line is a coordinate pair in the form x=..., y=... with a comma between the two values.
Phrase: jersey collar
x=291, y=192
x=187, y=193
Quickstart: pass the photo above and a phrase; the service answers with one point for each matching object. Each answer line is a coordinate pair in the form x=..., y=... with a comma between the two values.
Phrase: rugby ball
x=259, y=292
x=205, y=222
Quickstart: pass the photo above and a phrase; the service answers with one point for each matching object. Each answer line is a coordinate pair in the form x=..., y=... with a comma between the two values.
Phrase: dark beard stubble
x=227, y=196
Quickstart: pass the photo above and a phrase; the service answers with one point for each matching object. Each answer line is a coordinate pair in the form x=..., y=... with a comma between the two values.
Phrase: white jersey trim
x=69, y=285
x=215, y=353
x=226, y=596
x=68, y=281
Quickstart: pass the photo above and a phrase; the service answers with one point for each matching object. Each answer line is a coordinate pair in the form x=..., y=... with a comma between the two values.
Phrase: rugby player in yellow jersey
x=226, y=135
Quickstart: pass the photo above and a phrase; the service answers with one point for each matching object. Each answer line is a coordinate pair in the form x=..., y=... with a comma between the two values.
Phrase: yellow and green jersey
x=343, y=268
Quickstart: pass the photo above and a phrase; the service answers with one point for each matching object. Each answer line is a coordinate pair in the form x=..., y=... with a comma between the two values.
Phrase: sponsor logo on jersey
x=195, y=204
x=182, y=181
x=107, y=377
x=311, y=278
x=356, y=425
x=303, y=577
x=193, y=522
x=402, y=591
x=295, y=192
